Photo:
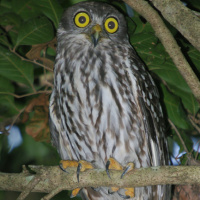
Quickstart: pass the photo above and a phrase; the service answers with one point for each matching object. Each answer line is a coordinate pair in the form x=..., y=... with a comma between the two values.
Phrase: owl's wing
x=59, y=137
x=148, y=99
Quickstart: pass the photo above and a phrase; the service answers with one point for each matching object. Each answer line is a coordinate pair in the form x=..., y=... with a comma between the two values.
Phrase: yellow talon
x=75, y=192
x=114, y=189
x=81, y=165
x=114, y=164
x=68, y=163
x=130, y=192
x=85, y=165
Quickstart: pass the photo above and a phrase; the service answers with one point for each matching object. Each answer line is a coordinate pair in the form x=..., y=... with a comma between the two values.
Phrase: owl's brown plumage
x=104, y=103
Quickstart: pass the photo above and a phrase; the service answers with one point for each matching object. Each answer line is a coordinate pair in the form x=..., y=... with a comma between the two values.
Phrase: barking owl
x=105, y=107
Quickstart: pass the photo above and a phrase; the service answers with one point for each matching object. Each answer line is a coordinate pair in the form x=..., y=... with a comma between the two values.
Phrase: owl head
x=94, y=22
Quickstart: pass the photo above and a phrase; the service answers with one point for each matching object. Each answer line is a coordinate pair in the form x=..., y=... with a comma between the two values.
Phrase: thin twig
x=16, y=118
x=26, y=95
x=194, y=122
x=32, y=61
x=29, y=187
x=179, y=135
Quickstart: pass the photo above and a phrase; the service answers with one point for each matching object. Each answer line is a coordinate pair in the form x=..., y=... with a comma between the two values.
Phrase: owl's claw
x=75, y=192
x=64, y=164
x=123, y=196
x=112, y=190
x=107, y=168
x=96, y=189
x=78, y=170
x=113, y=164
x=129, y=193
x=62, y=168
x=82, y=165
x=128, y=168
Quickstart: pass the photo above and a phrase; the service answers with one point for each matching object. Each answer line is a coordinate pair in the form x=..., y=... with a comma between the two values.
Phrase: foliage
x=27, y=52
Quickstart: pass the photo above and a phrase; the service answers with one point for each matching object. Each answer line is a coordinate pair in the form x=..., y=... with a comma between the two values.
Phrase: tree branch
x=170, y=44
x=53, y=179
x=182, y=18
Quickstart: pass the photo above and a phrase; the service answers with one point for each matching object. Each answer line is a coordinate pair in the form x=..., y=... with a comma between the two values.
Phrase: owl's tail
x=102, y=194
x=90, y=194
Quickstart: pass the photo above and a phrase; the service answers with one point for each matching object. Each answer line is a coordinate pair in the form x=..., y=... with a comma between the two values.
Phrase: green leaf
x=174, y=110
x=35, y=31
x=7, y=104
x=5, y=87
x=5, y=6
x=6, y=3
x=184, y=159
x=194, y=56
x=25, y=8
x=170, y=74
x=15, y=69
x=186, y=139
x=188, y=99
x=3, y=38
x=159, y=62
x=52, y=9
x=11, y=22
x=51, y=52
x=10, y=19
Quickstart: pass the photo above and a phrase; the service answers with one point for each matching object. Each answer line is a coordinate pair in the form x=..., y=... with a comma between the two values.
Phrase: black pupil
x=111, y=25
x=82, y=19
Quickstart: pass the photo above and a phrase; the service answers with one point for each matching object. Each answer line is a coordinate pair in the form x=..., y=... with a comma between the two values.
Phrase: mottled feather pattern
x=105, y=104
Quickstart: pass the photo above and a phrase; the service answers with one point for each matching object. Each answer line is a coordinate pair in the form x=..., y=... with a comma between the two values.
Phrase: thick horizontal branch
x=51, y=178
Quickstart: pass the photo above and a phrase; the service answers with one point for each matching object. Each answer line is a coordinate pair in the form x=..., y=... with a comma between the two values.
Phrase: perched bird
x=104, y=108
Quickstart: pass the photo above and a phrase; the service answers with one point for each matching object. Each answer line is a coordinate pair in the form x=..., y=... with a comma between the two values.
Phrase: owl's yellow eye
x=82, y=19
x=111, y=25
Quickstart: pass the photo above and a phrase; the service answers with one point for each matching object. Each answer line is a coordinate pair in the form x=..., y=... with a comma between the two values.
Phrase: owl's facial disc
x=95, y=36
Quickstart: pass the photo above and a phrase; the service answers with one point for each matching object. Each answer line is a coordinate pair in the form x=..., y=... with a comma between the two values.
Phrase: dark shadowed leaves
x=52, y=9
x=7, y=103
x=174, y=110
x=15, y=69
x=35, y=31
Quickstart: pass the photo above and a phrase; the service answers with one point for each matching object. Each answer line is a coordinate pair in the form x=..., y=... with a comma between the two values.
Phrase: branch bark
x=170, y=44
x=182, y=18
x=50, y=179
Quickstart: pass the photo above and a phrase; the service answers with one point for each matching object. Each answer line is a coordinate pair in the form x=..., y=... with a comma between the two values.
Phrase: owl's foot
x=129, y=192
x=128, y=168
x=113, y=164
x=64, y=164
x=81, y=166
x=75, y=192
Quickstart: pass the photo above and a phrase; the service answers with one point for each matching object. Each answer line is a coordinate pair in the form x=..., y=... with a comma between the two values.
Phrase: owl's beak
x=95, y=36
